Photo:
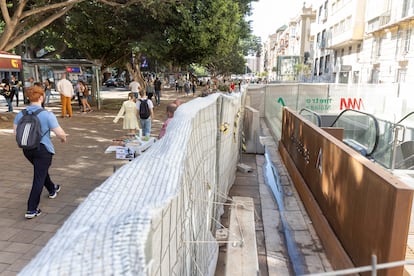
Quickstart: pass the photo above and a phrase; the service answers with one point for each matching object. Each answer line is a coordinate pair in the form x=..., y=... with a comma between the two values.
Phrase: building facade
x=350, y=41
x=388, y=43
x=288, y=50
x=338, y=36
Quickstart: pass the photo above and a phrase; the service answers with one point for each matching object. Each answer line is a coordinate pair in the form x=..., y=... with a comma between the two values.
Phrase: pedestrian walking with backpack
x=145, y=109
x=32, y=127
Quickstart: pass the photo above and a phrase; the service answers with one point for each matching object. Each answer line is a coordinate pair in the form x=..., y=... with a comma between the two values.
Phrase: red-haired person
x=41, y=157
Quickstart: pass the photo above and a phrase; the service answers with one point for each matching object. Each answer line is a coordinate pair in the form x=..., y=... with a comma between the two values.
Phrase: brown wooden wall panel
x=367, y=208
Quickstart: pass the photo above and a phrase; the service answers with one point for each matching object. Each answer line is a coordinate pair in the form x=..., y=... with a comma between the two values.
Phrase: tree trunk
x=135, y=71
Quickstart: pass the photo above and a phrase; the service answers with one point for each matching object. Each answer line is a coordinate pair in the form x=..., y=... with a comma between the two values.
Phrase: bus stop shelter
x=74, y=69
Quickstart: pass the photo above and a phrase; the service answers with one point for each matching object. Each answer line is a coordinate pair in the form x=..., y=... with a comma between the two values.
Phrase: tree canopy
x=173, y=33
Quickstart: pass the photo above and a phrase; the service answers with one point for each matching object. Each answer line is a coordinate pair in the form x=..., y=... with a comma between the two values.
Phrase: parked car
x=114, y=82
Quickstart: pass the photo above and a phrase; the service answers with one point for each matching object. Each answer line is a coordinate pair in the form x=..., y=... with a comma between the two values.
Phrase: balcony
x=377, y=22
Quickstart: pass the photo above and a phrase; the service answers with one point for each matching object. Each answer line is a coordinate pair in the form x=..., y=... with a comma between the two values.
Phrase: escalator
x=361, y=131
x=389, y=144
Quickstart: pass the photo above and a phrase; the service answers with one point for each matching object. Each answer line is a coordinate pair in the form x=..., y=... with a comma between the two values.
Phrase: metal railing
x=374, y=267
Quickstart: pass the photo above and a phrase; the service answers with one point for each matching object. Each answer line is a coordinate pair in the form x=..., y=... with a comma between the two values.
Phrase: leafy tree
x=206, y=32
x=252, y=46
x=173, y=33
x=21, y=19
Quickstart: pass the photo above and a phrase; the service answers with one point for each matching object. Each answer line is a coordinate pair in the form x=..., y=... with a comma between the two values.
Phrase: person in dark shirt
x=157, y=88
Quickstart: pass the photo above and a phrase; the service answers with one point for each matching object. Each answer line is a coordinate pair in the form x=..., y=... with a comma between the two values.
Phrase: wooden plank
x=241, y=250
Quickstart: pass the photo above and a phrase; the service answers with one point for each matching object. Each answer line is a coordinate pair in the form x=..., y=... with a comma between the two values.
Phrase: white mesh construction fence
x=156, y=215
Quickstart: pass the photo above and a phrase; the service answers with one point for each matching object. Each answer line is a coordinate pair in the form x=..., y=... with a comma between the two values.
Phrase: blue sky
x=268, y=15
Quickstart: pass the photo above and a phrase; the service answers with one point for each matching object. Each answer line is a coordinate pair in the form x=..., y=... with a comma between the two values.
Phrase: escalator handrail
x=314, y=113
x=405, y=117
x=375, y=124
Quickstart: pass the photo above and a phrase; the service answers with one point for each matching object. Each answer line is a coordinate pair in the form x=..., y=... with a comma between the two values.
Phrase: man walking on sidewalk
x=157, y=88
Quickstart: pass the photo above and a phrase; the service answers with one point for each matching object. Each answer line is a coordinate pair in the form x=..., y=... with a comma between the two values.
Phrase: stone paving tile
x=9, y=257
x=32, y=252
x=18, y=247
x=25, y=236
x=8, y=273
x=46, y=227
x=7, y=233
x=17, y=266
x=3, y=268
x=43, y=238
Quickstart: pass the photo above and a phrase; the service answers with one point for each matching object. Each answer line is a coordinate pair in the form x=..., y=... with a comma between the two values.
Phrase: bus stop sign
x=73, y=69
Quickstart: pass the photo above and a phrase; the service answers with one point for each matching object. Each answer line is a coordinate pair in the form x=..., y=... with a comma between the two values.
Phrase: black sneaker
x=32, y=214
x=55, y=192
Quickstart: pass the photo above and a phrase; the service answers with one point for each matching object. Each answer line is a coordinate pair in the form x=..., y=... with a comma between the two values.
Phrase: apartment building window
x=342, y=26
x=318, y=40
x=407, y=40
x=405, y=8
x=348, y=23
x=293, y=32
x=355, y=77
x=349, y=50
x=403, y=43
x=327, y=63
x=323, y=40
x=335, y=29
x=321, y=65
x=358, y=51
x=335, y=57
x=378, y=46
x=401, y=75
x=375, y=75
x=320, y=14
x=315, y=67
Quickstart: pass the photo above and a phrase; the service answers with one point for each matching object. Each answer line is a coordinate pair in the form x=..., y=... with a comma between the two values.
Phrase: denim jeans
x=41, y=160
x=146, y=127
x=157, y=96
x=48, y=93
x=9, y=104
